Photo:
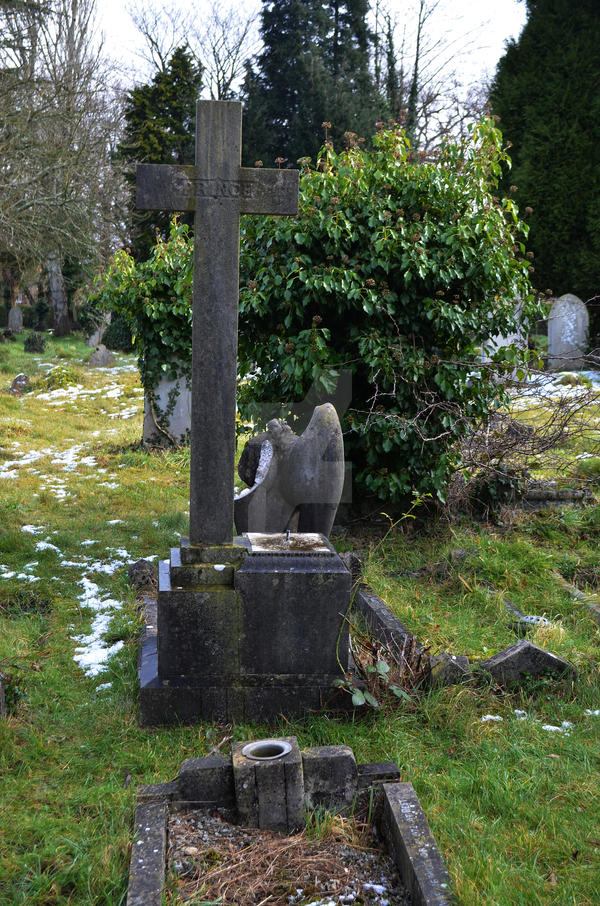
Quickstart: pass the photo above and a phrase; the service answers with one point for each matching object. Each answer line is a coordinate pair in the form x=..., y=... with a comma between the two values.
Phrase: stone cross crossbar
x=217, y=189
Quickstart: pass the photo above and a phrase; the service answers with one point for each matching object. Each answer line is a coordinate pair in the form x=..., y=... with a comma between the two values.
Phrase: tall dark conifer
x=547, y=95
x=160, y=128
x=314, y=68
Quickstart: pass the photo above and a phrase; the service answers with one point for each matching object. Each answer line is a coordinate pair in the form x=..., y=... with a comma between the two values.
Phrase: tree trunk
x=58, y=295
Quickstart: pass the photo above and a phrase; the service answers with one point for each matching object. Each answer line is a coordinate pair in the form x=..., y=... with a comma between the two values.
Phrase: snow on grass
x=553, y=386
x=564, y=727
x=92, y=652
x=48, y=546
x=488, y=717
x=33, y=529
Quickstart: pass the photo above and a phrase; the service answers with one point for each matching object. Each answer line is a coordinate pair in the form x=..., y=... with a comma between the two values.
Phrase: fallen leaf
x=552, y=878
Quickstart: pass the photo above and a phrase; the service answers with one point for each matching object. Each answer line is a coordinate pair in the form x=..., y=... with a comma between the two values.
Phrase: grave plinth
x=257, y=632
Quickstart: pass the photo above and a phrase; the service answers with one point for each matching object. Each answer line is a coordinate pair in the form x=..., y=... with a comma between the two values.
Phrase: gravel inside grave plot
x=214, y=861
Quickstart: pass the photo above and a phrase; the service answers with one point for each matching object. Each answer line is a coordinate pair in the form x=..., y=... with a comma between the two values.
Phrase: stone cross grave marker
x=217, y=189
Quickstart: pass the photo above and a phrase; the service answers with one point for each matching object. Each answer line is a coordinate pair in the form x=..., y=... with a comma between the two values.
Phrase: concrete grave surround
x=171, y=406
x=272, y=795
x=294, y=482
x=15, y=319
x=568, y=325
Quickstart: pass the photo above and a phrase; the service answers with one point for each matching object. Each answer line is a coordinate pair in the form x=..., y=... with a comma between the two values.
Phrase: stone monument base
x=245, y=632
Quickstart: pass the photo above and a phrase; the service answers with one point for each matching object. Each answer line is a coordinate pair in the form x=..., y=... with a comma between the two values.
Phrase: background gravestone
x=172, y=404
x=15, y=319
x=568, y=325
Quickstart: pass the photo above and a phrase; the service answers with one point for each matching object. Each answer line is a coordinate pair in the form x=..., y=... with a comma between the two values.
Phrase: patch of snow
x=87, y=543
x=488, y=717
x=33, y=529
x=47, y=546
x=520, y=715
x=595, y=713
x=564, y=727
x=115, y=522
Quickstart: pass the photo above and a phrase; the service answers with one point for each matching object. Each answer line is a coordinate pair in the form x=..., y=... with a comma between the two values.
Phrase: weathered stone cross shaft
x=217, y=189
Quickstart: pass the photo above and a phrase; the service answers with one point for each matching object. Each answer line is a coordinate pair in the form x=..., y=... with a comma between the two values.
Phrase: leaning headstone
x=15, y=319
x=101, y=358
x=568, y=325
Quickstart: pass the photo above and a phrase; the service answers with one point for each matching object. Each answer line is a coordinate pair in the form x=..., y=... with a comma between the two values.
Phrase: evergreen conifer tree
x=547, y=94
x=160, y=128
x=314, y=68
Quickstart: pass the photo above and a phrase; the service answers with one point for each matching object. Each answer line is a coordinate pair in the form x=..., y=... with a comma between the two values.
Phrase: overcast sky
x=474, y=31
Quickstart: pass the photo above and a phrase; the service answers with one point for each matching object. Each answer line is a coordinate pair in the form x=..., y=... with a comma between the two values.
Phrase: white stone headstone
x=172, y=409
x=568, y=324
x=15, y=319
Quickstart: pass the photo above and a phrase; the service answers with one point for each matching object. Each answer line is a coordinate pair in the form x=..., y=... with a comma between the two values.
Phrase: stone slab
x=191, y=554
x=148, y=855
x=448, y=669
x=379, y=618
x=171, y=403
x=330, y=777
x=207, y=782
x=293, y=614
x=377, y=773
x=172, y=702
x=187, y=575
x=523, y=657
x=199, y=629
x=407, y=833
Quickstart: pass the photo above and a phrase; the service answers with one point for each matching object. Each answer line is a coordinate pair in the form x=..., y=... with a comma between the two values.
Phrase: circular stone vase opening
x=266, y=749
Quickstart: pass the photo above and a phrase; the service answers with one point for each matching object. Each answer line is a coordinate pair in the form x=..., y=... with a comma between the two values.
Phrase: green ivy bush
x=154, y=297
x=117, y=335
x=397, y=268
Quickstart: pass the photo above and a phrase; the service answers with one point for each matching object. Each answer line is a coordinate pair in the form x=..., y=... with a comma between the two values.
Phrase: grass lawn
x=513, y=801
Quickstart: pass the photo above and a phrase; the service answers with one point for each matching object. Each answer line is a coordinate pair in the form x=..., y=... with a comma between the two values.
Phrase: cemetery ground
x=508, y=779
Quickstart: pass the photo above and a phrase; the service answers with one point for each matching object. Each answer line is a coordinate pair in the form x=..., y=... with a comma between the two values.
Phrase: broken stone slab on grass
x=522, y=658
x=448, y=669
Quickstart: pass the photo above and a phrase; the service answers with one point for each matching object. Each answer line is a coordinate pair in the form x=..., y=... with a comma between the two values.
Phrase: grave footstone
x=568, y=325
x=15, y=319
x=246, y=629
